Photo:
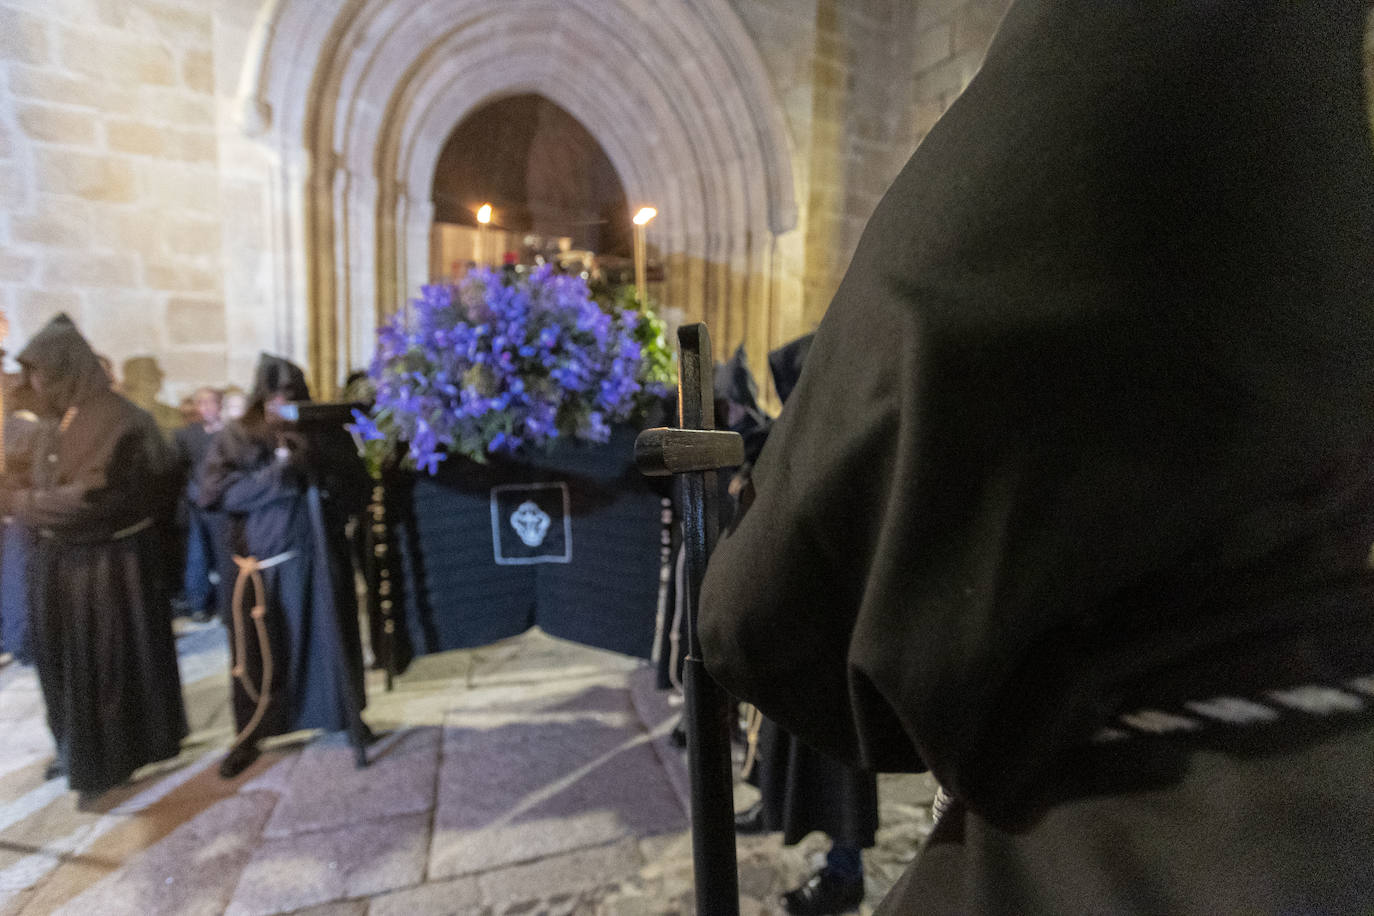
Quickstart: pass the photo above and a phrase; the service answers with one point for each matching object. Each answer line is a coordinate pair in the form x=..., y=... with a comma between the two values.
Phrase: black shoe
x=824, y=893
x=238, y=760
x=750, y=821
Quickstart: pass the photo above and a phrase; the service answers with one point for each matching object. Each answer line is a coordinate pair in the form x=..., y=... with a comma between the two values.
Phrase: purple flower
x=496, y=365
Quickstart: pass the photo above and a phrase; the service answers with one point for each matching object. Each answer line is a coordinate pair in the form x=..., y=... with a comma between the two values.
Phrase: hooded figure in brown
x=1074, y=501
x=100, y=617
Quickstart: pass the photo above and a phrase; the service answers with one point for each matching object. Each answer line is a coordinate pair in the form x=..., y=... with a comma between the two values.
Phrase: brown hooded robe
x=100, y=614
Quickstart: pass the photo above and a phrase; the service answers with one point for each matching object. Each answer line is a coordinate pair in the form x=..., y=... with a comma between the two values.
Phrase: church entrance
x=348, y=115
x=553, y=194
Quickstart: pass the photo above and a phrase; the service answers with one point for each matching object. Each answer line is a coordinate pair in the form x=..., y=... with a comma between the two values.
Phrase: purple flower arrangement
x=501, y=363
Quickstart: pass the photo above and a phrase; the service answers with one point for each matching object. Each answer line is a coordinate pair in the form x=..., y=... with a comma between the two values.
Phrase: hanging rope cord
x=675, y=628
x=250, y=575
x=754, y=721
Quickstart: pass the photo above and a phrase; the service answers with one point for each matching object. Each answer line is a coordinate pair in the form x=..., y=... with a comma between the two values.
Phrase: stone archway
x=356, y=97
x=542, y=173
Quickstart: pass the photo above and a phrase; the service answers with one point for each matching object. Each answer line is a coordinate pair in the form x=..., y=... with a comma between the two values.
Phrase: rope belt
x=250, y=574
x=755, y=723
x=132, y=530
x=48, y=534
x=1310, y=701
x=1296, y=704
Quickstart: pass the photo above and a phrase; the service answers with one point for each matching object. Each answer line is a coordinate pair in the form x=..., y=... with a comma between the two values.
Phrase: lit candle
x=641, y=220
x=483, y=217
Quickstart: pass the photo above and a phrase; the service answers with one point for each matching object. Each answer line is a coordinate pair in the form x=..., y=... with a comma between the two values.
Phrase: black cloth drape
x=100, y=615
x=602, y=590
x=1087, y=422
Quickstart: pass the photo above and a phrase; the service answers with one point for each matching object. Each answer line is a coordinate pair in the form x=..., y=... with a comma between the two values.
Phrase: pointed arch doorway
x=554, y=193
x=347, y=105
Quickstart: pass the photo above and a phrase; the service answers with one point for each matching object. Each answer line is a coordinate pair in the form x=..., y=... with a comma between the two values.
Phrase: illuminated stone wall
x=198, y=180
x=109, y=180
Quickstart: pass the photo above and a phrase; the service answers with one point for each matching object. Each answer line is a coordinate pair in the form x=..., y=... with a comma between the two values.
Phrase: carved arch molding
x=355, y=98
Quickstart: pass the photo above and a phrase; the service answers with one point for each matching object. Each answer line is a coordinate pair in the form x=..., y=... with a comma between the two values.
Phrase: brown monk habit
x=100, y=615
x=1086, y=432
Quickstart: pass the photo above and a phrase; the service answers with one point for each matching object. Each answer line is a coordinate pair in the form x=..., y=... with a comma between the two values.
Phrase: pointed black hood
x=278, y=375
x=71, y=370
x=786, y=365
x=734, y=382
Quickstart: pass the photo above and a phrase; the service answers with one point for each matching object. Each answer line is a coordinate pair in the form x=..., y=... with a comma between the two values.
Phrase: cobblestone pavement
x=531, y=776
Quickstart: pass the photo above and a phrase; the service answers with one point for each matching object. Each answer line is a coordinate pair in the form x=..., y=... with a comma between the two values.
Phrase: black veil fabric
x=1093, y=400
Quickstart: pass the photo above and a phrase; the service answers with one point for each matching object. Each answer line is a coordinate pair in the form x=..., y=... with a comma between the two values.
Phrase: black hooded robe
x=100, y=616
x=801, y=789
x=1073, y=501
x=280, y=515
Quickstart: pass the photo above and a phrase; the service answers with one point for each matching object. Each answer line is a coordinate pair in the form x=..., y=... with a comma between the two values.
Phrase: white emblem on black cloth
x=531, y=523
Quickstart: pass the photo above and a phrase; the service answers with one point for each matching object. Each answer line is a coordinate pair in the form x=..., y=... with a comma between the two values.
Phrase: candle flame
x=484, y=214
x=644, y=215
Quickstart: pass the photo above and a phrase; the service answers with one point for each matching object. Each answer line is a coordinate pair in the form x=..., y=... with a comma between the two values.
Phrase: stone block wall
x=862, y=82
x=109, y=187
x=130, y=197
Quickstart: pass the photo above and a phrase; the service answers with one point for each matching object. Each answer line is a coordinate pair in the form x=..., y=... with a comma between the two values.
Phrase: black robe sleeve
x=239, y=477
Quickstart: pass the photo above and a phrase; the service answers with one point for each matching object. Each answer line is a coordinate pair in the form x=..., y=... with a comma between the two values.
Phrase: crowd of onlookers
x=121, y=511
x=199, y=568
x=203, y=561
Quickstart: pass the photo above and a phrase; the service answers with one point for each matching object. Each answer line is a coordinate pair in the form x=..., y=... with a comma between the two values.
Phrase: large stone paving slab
x=326, y=790
x=562, y=877
x=536, y=656
x=660, y=710
x=455, y=897
x=191, y=872
x=274, y=777
x=359, y=860
x=22, y=720
x=25, y=743
x=20, y=697
x=61, y=851
x=575, y=773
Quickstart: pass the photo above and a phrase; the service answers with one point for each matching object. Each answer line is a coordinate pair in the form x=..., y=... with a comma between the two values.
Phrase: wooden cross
x=695, y=451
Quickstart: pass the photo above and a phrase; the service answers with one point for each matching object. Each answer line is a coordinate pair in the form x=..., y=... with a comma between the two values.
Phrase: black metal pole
x=708, y=706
